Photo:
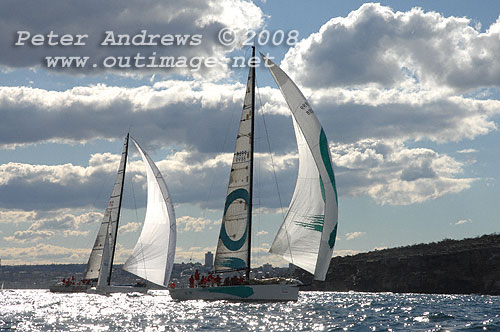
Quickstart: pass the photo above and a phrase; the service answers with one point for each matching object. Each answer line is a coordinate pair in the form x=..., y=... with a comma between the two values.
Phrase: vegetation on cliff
x=447, y=267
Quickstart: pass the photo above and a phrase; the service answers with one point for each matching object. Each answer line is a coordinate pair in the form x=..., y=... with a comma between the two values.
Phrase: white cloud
x=344, y=252
x=375, y=44
x=354, y=235
x=188, y=223
x=393, y=174
x=387, y=171
x=74, y=233
x=467, y=151
x=45, y=225
x=15, y=217
x=350, y=115
x=43, y=254
x=462, y=221
x=29, y=236
x=167, y=114
x=130, y=227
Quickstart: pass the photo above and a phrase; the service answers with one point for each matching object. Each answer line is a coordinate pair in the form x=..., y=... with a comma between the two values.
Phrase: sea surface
x=40, y=310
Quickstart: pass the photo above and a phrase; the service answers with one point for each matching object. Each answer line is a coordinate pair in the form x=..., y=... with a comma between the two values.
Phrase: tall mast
x=252, y=68
x=125, y=151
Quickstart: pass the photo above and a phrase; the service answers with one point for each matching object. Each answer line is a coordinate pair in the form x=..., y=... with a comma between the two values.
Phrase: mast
x=122, y=178
x=250, y=204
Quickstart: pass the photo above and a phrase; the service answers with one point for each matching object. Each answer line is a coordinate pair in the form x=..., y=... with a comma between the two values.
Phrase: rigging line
x=274, y=173
x=135, y=203
x=144, y=261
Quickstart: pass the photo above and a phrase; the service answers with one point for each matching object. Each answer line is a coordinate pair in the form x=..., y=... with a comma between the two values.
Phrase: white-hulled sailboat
x=153, y=255
x=307, y=235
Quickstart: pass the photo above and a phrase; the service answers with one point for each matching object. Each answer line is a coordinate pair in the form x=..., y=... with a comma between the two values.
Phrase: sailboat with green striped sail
x=307, y=235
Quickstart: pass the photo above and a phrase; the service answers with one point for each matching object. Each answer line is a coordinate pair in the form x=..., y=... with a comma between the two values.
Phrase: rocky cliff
x=447, y=267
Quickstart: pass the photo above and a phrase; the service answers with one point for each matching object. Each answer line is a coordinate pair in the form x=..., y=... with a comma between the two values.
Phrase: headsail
x=307, y=235
x=109, y=221
x=105, y=268
x=234, y=239
x=153, y=255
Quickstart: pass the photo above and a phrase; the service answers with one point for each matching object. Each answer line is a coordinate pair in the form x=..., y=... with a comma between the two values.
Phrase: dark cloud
x=94, y=18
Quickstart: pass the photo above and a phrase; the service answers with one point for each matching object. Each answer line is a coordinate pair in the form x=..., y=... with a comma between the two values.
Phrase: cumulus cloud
x=15, y=217
x=388, y=171
x=45, y=225
x=393, y=174
x=193, y=114
x=85, y=113
x=44, y=187
x=352, y=115
x=369, y=118
x=130, y=227
x=375, y=44
x=43, y=254
x=29, y=236
x=93, y=18
x=190, y=224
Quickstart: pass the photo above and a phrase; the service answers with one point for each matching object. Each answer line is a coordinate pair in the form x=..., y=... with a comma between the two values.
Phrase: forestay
x=153, y=255
x=307, y=235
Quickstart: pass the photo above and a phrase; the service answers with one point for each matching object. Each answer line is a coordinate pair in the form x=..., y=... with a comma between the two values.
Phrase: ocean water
x=40, y=310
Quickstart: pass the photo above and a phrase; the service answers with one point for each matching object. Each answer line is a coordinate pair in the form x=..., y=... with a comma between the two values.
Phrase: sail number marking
x=306, y=108
x=241, y=156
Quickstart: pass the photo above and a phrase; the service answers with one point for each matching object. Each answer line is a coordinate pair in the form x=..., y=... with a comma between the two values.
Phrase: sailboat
x=307, y=235
x=153, y=255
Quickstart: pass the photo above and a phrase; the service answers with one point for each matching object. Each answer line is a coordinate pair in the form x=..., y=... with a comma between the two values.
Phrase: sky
x=407, y=93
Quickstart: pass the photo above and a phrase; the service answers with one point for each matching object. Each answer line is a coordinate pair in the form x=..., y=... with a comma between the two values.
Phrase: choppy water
x=40, y=310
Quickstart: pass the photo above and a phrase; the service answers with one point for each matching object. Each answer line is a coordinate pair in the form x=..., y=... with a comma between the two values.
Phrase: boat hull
x=69, y=288
x=117, y=289
x=272, y=292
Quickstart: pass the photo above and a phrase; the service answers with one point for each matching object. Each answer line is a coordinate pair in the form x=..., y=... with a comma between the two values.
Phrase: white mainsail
x=232, y=248
x=153, y=255
x=109, y=221
x=307, y=235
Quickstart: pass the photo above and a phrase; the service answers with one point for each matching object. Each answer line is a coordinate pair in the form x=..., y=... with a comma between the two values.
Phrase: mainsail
x=153, y=255
x=235, y=234
x=109, y=222
x=307, y=235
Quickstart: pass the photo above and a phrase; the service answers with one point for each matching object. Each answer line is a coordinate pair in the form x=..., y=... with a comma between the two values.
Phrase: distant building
x=267, y=268
x=209, y=260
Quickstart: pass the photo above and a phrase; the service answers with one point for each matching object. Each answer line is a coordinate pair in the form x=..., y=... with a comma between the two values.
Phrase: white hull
x=117, y=289
x=269, y=292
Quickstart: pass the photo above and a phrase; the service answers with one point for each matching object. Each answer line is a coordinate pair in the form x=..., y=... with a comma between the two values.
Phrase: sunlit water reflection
x=40, y=310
